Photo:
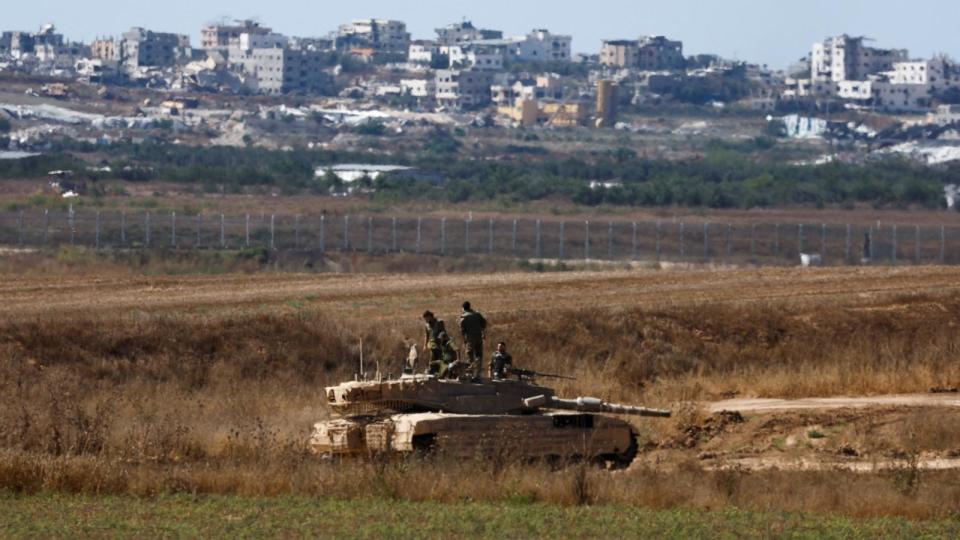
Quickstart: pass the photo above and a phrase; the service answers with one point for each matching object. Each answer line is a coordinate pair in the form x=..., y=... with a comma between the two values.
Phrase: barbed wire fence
x=773, y=244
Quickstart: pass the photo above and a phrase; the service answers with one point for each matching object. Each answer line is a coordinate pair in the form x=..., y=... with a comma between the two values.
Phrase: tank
x=513, y=418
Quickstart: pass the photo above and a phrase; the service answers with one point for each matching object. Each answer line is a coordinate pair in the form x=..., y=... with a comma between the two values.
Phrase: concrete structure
x=649, y=53
x=548, y=112
x=105, y=49
x=145, y=48
x=606, y=103
x=223, y=36
x=460, y=89
x=419, y=88
x=543, y=87
x=474, y=56
x=464, y=32
x=423, y=52
x=544, y=46
x=281, y=69
x=350, y=173
x=845, y=58
x=44, y=45
x=381, y=35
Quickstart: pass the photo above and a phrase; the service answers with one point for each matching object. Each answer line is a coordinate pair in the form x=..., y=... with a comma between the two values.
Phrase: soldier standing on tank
x=501, y=361
x=473, y=328
x=433, y=327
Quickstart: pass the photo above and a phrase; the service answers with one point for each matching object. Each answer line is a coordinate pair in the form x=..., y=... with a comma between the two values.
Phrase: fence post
x=98, y=231
x=273, y=232
x=346, y=232
x=296, y=232
x=706, y=241
x=658, y=240
x=199, y=228
x=246, y=231
x=799, y=239
x=173, y=230
x=943, y=244
x=893, y=251
x=393, y=235
x=443, y=236
x=419, y=233
x=753, y=242
x=466, y=236
x=46, y=226
x=634, y=253
x=586, y=240
x=123, y=229
x=776, y=240
x=72, y=221
x=513, y=239
x=20, y=228
x=916, y=254
x=823, y=242
x=537, y=251
x=610, y=241
x=846, y=246
x=726, y=240
x=490, y=236
x=146, y=230
x=223, y=232
x=683, y=248
x=563, y=225
x=369, y=234
x=323, y=233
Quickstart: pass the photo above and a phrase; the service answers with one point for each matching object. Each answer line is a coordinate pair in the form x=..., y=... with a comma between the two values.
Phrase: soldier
x=431, y=341
x=501, y=361
x=448, y=357
x=473, y=329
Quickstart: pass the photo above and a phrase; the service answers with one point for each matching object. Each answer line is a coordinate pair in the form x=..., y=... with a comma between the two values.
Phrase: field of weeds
x=193, y=516
x=134, y=385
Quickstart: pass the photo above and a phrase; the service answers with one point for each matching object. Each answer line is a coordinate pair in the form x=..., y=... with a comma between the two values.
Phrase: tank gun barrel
x=589, y=404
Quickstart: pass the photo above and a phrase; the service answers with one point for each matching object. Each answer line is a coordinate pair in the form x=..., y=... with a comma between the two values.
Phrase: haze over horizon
x=760, y=31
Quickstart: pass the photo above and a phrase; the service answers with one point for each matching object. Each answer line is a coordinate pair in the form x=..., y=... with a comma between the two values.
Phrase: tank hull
x=460, y=436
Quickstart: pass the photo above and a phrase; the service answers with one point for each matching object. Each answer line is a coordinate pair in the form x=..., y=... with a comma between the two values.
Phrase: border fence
x=559, y=239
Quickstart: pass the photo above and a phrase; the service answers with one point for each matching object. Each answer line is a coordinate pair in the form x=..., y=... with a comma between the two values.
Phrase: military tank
x=516, y=418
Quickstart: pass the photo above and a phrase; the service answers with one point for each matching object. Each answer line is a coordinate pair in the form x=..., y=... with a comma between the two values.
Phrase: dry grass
x=210, y=384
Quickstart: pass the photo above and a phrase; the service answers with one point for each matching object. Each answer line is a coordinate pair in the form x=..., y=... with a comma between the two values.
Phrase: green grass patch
x=56, y=516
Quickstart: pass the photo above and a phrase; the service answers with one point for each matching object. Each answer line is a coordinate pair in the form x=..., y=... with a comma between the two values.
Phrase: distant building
x=423, y=52
x=544, y=87
x=419, y=88
x=145, y=48
x=542, y=45
x=474, y=56
x=381, y=35
x=463, y=89
x=222, y=36
x=105, y=49
x=269, y=66
x=649, y=53
x=845, y=58
x=464, y=32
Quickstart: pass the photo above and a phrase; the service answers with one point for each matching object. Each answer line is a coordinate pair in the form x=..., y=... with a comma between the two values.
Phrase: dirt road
x=831, y=403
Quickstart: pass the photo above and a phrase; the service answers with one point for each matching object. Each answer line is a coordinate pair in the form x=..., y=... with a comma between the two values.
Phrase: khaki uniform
x=433, y=331
x=473, y=327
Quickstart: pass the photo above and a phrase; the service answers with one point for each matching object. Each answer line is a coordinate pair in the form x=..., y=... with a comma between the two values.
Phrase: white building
x=382, y=35
x=845, y=58
x=472, y=56
x=419, y=88
x=542, y=45
x=423, y=52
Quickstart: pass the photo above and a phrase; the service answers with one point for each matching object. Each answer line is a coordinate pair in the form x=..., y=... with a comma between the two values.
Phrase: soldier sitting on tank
x=448, y=357
x=500, y=362
x=433, y=327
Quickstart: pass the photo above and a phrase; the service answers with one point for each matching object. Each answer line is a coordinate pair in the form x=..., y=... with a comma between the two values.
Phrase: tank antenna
x=363, y=375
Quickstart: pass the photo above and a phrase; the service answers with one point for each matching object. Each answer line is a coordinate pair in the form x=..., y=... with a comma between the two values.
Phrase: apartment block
x=423, y=52
x=540, y=44
x=649, y=53
x=464, y=32
x=381, y=35
x=845, y=58
x=474, y=56
x=223, y=36
x=463, y=89
x=145, y=48
x=281, y=69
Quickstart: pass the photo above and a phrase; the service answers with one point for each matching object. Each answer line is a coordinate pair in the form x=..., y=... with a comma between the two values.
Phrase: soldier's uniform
x=433, y=330
x=473, y=328
x=448, y=356
x=499, y=364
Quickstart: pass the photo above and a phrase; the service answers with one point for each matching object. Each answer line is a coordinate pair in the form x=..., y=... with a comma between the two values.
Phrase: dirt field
x=130, y=384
